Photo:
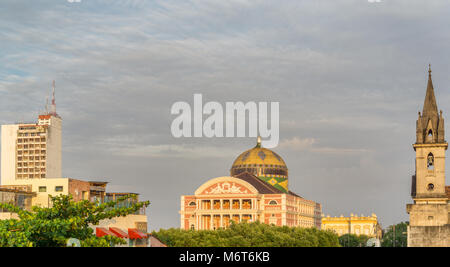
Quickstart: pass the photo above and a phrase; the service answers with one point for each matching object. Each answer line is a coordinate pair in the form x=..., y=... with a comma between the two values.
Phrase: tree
x=52, y=227
x=244, y=234
x=352, y=240
x=395, y=235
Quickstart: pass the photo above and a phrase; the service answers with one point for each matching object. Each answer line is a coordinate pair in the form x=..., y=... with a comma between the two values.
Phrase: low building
x=137, y=220
x=37, y=192
x=46, y=187
x=133, y=237
x=97, y=191
x=358, y=225
x=19, y=196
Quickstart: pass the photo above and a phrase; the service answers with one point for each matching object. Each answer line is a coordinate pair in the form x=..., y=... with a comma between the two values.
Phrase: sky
x=349, y=75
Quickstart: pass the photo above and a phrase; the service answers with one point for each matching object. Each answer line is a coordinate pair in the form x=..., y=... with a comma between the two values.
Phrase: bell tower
x=430, y=147
x=428, y=216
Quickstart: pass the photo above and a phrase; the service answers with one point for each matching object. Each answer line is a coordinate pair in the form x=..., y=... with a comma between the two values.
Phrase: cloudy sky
x=350, y=77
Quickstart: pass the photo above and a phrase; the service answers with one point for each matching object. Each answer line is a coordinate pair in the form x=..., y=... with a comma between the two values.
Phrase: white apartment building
x=31, y=151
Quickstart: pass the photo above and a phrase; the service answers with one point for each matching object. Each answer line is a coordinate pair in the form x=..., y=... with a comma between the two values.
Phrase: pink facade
x=244, y=198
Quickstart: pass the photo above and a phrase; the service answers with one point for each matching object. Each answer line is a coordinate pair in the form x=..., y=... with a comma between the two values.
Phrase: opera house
x=256, y=190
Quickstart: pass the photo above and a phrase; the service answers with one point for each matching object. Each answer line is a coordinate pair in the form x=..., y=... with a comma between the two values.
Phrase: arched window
x=192, y=227
x=430, y=135
x=192, y=203
x=430, y=161
x=273, y=202
x=430, y=187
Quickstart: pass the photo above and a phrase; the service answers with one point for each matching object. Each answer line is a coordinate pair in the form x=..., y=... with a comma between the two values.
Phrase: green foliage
x=352, y=240
x=400, y=236
x=52, y=227
x=249, y=235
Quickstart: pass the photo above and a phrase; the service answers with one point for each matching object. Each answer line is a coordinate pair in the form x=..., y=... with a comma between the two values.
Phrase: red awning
x=118, y=232
x=136, y=234
x=100, y=231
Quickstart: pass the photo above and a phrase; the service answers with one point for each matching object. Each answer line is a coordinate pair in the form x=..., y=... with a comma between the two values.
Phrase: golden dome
x=259, y=156
x=263, y=163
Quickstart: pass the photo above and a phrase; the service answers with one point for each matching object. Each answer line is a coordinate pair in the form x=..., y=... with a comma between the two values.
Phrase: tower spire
x=429, y=105
x=258, y=141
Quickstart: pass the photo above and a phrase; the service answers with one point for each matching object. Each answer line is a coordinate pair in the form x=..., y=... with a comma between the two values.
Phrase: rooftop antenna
x=46, y=105
x=53, y=111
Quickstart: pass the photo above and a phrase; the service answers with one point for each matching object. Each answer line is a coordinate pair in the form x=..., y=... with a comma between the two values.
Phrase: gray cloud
x=350, y=75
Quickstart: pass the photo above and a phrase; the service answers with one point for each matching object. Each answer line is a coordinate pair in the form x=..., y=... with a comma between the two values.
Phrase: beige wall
x=435, y=176
x=54, y=158
x=428, y=214
x=8, y=154
x=429, y=236
x=41, y=198
x=8, y=215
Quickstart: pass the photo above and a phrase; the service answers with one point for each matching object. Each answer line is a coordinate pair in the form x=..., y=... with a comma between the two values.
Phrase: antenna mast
x=46, y=105
x=53, y=111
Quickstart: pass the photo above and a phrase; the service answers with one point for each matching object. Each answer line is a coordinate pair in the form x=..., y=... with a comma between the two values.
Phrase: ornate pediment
x=226, y=188
x=226, y=185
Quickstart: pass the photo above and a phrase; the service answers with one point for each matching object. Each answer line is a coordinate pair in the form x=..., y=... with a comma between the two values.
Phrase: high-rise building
x=429, y=223
x=32, y=150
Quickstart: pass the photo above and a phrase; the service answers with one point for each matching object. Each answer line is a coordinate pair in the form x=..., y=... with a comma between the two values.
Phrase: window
x=192, y=203
x=273, y=202
x=430, y=187
x=430, y=161
x=58, y=188
x=429, y=137
x=42, y=189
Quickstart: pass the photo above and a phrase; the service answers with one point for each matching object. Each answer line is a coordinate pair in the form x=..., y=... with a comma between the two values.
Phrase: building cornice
x=445, y=145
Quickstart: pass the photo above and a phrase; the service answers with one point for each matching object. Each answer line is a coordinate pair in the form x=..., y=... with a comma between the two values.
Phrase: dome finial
x=258, y=141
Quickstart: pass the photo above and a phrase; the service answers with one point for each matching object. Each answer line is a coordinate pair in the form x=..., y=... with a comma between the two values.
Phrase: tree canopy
x=52, y=227
x=395, y=235
x=352, y=240
x=244, y=234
